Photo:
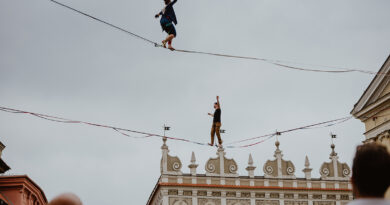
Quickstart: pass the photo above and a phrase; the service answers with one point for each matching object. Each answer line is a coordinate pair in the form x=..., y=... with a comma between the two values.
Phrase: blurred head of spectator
x=66, y=199
x=371, y=174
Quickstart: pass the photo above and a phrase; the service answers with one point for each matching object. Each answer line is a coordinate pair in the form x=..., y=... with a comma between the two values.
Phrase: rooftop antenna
x=166, y=128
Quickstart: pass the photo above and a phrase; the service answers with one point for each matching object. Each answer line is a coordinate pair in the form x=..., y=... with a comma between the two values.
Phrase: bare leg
x=164, y=43
x=169, y=40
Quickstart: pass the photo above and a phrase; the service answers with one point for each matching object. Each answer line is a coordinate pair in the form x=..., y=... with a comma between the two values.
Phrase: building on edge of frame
x=18, y=189
x=373, y=109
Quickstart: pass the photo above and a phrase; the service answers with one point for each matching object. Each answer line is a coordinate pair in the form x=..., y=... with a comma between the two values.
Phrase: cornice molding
x=250, y=187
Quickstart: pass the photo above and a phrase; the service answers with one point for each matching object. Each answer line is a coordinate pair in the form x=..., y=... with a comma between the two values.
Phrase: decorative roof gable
x=279, y=168
x=221, y=166
x=379, y=88
x=334, y=170
x=169, y=164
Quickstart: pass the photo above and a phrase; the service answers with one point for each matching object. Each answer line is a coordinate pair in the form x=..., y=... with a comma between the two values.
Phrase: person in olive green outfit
x=215, y=129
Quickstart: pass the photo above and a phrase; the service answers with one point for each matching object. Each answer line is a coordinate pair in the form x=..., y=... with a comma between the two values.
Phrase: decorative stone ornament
x=307, y=169
x=180, y=201
x=221, y=166
x=382, y=138
x=170, y=165
x=250, y=168
x=193, y=165
x=279, y=168
x=334, y=170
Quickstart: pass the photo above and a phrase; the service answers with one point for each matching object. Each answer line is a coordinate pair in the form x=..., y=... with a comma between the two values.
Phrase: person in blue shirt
x=168, y=18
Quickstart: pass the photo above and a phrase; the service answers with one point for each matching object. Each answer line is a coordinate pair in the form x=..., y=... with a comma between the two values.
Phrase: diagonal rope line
x=105, y=22
x=274, y=62
x=268, y=61
x=125, y=132
x=326, y=123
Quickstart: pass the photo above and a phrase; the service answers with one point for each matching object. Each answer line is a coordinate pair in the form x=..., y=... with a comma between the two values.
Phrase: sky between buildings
x=55, y=61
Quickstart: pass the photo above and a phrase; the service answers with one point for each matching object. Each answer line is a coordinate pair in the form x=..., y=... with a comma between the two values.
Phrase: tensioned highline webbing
x=125, y=131
x=279, y=63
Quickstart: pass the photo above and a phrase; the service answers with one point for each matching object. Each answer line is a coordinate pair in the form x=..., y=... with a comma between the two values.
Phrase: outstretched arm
x=219, y=105
x=157, y=15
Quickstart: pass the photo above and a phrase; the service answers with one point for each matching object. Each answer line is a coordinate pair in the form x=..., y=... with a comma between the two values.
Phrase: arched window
x=180, y=203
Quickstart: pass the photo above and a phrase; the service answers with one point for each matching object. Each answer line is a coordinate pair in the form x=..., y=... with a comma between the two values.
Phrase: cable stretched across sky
x=280, y=63
x=141, y=134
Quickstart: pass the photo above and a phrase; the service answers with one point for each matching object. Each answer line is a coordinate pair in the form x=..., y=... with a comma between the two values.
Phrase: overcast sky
x=55, y=61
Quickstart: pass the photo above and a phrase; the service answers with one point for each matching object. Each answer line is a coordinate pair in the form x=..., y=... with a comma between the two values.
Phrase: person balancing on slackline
x=215, y=129
x=168, y=17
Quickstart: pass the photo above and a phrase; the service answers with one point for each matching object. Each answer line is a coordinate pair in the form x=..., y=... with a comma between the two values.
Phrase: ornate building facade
x=373, y=107
x=222, y=185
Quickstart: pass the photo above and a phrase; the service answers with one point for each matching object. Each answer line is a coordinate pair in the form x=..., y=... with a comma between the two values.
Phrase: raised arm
x=219, y=105
x=173, y=2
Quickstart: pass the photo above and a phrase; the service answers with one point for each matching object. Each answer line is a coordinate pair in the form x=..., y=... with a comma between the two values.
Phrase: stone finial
x=333, y=153
x=334, y=170
x=193, y=159
x=279, y=168
x=278, y=152
x=250, y=168
x=307, y=163
x=307, y=169
x=193, y=165
x=164, y=146
x=250, y=160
